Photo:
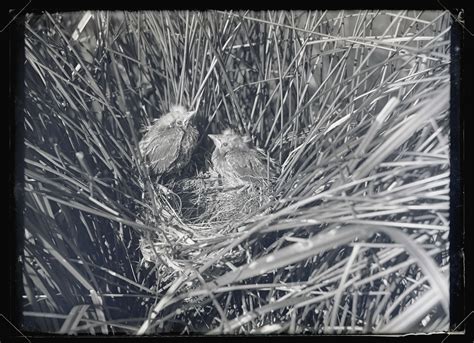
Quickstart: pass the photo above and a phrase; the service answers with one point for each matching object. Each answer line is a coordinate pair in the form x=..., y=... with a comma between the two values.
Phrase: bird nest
x=203, y=213
x=216, y=205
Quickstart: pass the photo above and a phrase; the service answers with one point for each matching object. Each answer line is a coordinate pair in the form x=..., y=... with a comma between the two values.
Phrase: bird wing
x=161, y=147
x=189, y=140
x=246, y=165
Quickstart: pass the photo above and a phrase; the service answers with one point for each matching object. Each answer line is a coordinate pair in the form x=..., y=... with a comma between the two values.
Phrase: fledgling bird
x=169, y=143
x=239, y=163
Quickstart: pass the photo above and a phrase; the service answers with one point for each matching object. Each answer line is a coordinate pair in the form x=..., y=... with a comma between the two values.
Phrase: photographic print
x=236, y=172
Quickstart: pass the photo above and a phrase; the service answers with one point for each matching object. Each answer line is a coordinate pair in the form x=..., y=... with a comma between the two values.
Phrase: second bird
x=236, y=162
x=169, y=143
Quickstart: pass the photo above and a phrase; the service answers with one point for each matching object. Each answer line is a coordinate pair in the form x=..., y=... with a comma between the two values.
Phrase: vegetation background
x=352, y=105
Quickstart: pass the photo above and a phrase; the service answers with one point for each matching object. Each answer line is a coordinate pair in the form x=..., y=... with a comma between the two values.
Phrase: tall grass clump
x=353, y=108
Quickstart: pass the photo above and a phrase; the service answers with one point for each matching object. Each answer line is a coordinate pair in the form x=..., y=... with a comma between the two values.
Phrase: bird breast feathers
x=246, y=164
x=162, y=151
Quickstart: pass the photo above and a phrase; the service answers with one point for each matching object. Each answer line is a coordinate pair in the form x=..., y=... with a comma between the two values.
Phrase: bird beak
x=190, y=116
x=215, y=139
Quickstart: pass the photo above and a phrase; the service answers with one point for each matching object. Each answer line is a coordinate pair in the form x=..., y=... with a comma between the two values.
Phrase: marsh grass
x=353, y=107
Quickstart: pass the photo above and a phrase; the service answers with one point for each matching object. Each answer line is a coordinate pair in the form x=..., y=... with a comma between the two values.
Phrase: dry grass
x=354, y=107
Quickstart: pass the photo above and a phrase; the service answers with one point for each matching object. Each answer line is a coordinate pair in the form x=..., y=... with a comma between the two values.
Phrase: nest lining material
x=205, y=210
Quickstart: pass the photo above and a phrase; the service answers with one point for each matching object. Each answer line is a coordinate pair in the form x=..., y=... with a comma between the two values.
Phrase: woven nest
x=212, y=203
x=204, y=213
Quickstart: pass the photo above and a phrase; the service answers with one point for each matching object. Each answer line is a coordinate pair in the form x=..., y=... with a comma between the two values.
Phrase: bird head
x=227, y=140
x=182, y=117
x=177, y=116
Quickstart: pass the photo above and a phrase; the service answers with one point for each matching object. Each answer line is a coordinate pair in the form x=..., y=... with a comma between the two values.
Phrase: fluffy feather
x=237, y=162
x=169, y=143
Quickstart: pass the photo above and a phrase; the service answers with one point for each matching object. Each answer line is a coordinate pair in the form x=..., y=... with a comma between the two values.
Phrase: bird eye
x=179, y=122
x=225, y=144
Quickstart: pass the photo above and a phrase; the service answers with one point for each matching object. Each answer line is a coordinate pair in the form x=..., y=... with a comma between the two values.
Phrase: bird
x=169, y=143
x=239, y=163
